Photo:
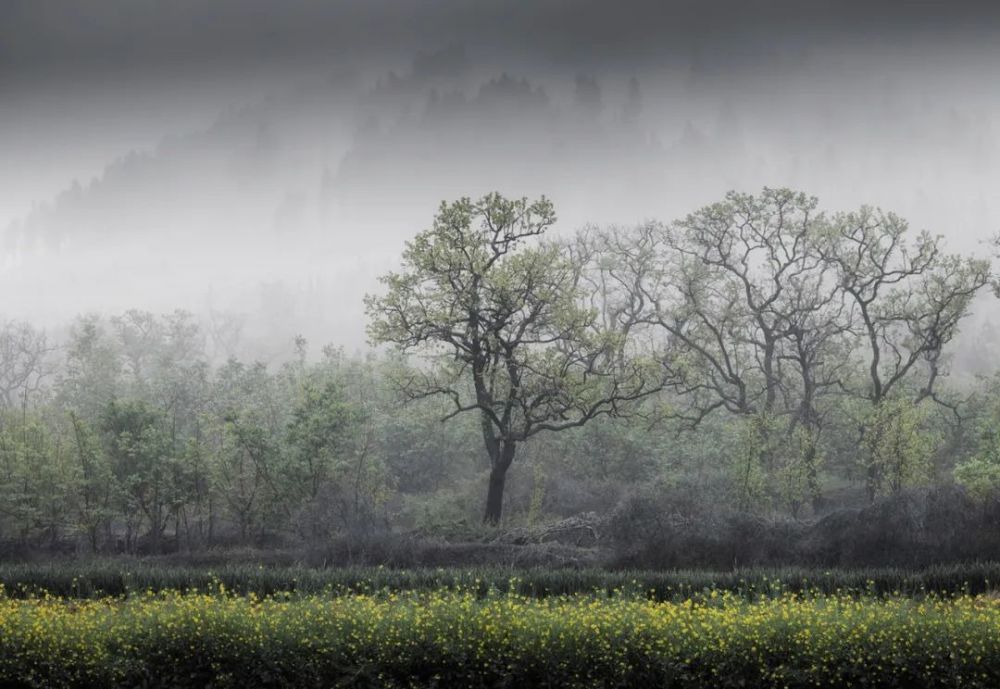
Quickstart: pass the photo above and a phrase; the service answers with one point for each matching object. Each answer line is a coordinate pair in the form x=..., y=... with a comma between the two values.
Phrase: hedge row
x=459, y=640
x=121, y=577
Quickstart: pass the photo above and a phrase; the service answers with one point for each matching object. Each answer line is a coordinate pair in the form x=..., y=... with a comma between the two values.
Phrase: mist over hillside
x=271, y=164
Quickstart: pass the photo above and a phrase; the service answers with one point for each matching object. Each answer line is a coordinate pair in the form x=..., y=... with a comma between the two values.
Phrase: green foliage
x=449, y=513
x=34, y=475
x=520, y=345
x=898, y=446
x=93, y=486
x=458, y=639
x=626, y=449
x=318, y=433
x=758, y=356
x=980, y=473
x=508, y=326
x=756, y=449
x=143, y=465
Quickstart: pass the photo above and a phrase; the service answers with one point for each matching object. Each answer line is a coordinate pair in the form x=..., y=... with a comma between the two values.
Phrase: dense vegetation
x=726, y=387
x=459, y=639
x=97, y=579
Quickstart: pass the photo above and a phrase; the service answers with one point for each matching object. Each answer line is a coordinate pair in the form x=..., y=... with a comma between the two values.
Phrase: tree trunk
x=494, y=496
x=812, y=475
x=872, y=483
x=498, y=476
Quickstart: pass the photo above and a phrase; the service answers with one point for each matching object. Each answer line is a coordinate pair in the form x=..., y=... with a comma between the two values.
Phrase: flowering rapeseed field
x=460, y=639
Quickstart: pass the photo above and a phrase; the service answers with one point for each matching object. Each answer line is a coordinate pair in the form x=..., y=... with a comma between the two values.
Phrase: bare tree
x=907, y=298
x=140, y=335
x=723, y=287
x=816, y=345
x=24, y=364
x=226, y=331
x=763, y=303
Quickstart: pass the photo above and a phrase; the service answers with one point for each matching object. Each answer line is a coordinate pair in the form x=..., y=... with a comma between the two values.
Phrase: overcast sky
x=61, y=38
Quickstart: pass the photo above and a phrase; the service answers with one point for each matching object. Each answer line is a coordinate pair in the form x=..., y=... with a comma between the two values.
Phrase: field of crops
x=154, y=626
x=456, y=639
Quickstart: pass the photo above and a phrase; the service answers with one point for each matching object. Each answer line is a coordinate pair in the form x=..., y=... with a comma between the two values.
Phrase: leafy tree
x=332, y=440
x=196, y=509
x=93, y=483
x=246, y=467
x=246, y=426
x=723, y=288
x=142, y=464
x=906, y=299
x=139, y=334
x=319, y=432
x=980, y=473
x=898, y=446
x=748, y=320
x=33, y=477
x=769, y=310
x=507, y=328
x=93, y=371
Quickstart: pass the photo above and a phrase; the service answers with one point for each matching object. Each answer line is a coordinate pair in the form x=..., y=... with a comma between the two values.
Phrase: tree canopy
x=508, y=326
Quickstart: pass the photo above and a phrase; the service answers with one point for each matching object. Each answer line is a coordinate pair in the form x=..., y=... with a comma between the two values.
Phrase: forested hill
x=288, y=191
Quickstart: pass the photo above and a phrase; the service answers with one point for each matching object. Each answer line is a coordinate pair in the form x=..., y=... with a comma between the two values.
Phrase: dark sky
x=43, y=39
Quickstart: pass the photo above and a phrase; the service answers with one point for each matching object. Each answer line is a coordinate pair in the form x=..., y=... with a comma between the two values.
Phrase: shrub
x=458, y=639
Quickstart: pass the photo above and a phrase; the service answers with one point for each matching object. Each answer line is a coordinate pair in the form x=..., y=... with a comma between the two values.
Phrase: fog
x=268, y=160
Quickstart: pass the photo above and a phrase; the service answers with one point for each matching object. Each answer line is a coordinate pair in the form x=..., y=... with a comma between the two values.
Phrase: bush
x=670, y=529
x=135, y=577
x=456, y=639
